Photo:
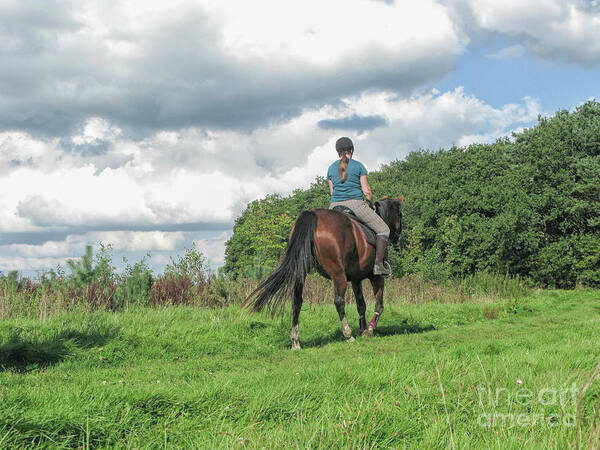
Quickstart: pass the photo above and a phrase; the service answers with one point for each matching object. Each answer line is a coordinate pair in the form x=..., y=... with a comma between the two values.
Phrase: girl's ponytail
x=344, y=146
x=343, y=167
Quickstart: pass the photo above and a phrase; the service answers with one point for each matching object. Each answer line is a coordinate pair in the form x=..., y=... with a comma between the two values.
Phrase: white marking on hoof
x=294, y=337
x=350, y=339
x=368, y=332
x=346, y=329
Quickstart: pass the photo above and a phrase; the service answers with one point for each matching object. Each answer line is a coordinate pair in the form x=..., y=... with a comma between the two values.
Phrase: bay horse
x=335, y=245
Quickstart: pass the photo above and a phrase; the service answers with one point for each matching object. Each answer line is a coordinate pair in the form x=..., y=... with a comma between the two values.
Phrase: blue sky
x=497, y=81
x=150, y=125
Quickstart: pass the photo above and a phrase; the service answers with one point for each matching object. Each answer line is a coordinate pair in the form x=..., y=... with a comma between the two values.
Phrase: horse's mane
x=384, y=209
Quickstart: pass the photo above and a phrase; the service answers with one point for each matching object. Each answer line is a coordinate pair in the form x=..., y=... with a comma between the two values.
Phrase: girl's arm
x=330, y=187
x=366, y=189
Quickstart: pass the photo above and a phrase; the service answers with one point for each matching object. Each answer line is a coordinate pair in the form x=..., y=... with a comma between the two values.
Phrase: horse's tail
x=299, y=259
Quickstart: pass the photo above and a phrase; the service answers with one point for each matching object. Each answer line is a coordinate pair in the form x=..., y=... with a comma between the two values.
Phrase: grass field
x=500, y=375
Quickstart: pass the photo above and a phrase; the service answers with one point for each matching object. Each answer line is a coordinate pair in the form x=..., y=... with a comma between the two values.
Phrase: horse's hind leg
x=296, y=307
x=339, y=289
x=361, y=306
x=377, y=282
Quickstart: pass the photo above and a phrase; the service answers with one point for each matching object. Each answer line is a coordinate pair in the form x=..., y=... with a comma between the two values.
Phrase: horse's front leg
x=377, y=282
x=339, y=289
x=296, y=307
x=361, y=306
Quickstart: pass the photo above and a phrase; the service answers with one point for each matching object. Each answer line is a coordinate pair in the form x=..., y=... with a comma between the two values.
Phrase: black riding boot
x=380, y=268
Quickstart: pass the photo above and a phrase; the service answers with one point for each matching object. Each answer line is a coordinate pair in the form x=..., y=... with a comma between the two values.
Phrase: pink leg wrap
x=374, y=320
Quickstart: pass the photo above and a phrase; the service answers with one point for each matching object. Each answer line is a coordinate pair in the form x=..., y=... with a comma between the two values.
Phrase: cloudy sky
x=149, y=125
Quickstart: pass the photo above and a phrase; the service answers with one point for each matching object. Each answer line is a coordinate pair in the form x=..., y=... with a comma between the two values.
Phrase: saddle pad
x=369, y=234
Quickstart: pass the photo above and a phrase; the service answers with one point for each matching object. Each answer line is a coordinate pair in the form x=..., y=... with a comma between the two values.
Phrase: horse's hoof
x=296, y=346
x=350, y=339
x=367, y=333
x=362, y=324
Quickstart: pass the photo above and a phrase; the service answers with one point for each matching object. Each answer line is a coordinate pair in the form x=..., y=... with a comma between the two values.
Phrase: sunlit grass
x=181, y=377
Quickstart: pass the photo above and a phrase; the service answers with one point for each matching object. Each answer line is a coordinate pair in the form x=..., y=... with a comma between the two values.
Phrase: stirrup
x=386, y=267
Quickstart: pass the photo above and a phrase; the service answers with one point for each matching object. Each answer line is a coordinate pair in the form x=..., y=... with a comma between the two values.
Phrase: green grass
x=182, y=377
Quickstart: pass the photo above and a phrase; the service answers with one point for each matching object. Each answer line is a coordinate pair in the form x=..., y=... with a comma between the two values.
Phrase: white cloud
x=74, y=245
x=160, y=244
x=20, y=263
x=213, y=249
x=564, y=30
x=435, y=120
x=328, y=34
x=202, y=176
x=147, y=66
x=512, y=51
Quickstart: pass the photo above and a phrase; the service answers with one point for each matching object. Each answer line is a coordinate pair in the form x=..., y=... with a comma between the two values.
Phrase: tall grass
x=94, y=284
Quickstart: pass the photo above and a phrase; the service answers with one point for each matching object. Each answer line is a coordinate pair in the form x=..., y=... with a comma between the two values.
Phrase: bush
x=135, y=284
x=588, y=263
x=192, y=265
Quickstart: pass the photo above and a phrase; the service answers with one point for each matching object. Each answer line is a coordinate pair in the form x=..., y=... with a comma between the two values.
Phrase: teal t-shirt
x=350, y=189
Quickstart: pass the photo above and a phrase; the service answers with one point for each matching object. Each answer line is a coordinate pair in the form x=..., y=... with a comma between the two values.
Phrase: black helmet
x=344, y=144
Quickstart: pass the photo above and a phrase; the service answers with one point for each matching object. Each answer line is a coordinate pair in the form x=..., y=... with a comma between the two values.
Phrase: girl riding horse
x=347, y=184
x=335, y=245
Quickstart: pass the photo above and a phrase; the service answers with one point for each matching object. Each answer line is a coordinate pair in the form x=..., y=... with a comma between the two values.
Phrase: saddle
x=369, y=233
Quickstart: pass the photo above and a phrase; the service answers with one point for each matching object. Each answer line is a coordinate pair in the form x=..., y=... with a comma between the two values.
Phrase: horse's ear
x=401, y=198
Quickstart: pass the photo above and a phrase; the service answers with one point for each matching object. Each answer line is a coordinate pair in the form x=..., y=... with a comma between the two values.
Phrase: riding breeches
x=366, y=215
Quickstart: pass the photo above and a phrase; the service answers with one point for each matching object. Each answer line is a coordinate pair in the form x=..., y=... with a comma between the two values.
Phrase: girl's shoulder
x=358, y=165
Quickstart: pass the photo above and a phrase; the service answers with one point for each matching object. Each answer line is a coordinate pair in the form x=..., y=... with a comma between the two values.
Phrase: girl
x=347, y=184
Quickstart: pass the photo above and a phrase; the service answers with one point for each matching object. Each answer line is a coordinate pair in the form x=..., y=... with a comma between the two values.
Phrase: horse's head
x=389, y=210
